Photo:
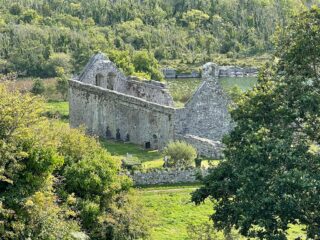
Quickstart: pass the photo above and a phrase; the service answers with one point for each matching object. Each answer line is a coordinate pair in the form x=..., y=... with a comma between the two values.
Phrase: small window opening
x=148, y=145
x=118, y=136
x=111, y=80
x=99, y=78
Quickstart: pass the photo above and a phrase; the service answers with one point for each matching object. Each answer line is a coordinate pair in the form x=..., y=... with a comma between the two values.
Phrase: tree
x=55, y=181
x=29, y=15
x=194, y=18
x=145, y=62
x=181, y=154
x=58, y=64
x=270, y=178
x=28, y=208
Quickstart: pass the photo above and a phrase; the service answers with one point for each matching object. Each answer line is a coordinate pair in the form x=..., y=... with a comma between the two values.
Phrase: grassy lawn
x=61, y=107
x=173, y=212
x=121, y=149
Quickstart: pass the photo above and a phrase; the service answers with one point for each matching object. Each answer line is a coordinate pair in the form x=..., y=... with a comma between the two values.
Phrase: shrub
x=131, y=163
x=15, y=9
x=180, y=154
x=38, y=87
x=62, y=87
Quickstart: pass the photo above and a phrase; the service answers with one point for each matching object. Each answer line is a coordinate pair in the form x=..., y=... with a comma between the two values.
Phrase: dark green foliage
x=270, y=178
x=38, y=87
x=15, y=9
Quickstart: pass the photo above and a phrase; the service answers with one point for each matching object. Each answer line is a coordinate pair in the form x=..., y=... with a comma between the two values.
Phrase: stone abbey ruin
x=113, y=106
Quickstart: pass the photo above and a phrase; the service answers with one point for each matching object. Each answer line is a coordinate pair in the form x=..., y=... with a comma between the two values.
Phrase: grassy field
x=25, y=84
x=173, y=212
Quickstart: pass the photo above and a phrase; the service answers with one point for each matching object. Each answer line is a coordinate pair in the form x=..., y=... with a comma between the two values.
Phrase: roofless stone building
x=114, y=106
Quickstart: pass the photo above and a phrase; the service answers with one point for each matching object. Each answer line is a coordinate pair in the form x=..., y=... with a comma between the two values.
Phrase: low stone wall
x=168, y=176
x=232, y=71
x=204, y=146
x=224, y=71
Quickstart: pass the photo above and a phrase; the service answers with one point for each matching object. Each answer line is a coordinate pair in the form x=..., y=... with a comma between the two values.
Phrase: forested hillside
x=37, y=36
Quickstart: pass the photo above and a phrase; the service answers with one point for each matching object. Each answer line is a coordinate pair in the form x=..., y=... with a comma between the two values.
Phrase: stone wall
x=110, y=114
x=168, y=176
x=152, y=91
x=111, y=105
x=224, y=71
x=100, y=71
x=205, y=147
x=206, y=114
x=233, y=71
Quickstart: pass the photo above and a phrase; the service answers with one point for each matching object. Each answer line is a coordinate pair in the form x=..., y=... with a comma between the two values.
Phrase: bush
x=130, y=218
x=38, y=87
x=15, y=9
x=131, y=163
x=62, y=87
x=180, y=154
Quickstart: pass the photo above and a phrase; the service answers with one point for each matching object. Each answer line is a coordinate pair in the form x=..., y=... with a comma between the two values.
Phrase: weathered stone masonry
x=168, y=176
x=111, y=105
x=102, y=110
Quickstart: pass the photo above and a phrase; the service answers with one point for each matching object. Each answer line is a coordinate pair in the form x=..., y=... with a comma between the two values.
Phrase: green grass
x=173, y=212
x=244, y=83
x=121, y=149
x=60, y=108
x=149, y=158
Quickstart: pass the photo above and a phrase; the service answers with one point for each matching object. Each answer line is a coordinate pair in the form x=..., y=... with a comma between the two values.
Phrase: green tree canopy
x=270, y=178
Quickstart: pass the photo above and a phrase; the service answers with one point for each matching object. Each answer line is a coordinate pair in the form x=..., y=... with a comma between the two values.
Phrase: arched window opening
x=111, y=80
x=99, y=80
